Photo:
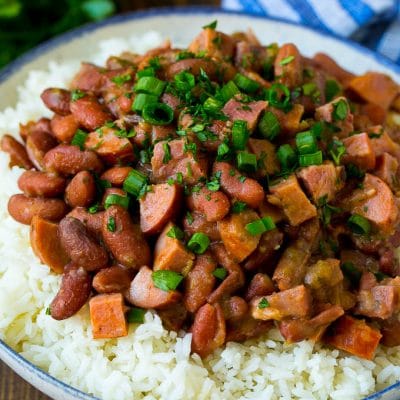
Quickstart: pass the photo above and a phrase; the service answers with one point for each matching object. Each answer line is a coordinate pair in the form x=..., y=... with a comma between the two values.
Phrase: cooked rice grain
x=151, y=363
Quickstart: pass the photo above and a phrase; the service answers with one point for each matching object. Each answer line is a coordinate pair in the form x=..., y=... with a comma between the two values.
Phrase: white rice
x=151, y=363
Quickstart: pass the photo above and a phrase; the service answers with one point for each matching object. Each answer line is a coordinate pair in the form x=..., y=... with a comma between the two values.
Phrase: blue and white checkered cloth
x=374, y=23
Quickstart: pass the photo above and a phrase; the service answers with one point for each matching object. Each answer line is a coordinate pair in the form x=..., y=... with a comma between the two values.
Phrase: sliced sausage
x=260, y=285
x=69, y=160
x=289, y=73
x=239, y=187
x=75, y=289
x=46, y=244
x=113, y=279
x=81, y=191
x=17, y=152
x=41, y=184
x=159, y=206
x=359, y=151
x=124, y=238
x=38, y=144
x=83, y=249
x=143, y=293
x=23, y=208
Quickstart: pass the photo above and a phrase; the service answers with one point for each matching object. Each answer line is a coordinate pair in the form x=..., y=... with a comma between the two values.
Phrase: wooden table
x=12, y=387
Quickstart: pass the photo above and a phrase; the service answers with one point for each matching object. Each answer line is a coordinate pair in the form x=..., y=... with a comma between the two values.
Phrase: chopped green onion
x=183, y=55
x=238, y=207
x=352, y=171
x=220, y=273
x=264, y=303
x=269, y=125
x=119, y=80
x=77, y=94
x=111, y=224
x=184, y=81
x=158, y=113
x=223, y=152
x=136, y=315
x=94, y=208
x=228, y=91
x=166, y=280
x=246, y=161
x=135, y=182
x=279, y=96
x=286, y=60
x=148, y=71
x=332, y=89
x=306, y=160
x=240, y=134
x=351, y=272
x=212, y=105
x=214, y=183
x=246, y=84
x=260, y=226
x=141, y=100
x=111, y=199
x=167, y=153
x=198, y=243
x=380, y=276
x=211, y=25
x=48, y=311
x=286, y=156
x=309, y=88
x=337, y=149
x=149, y=85
x=340, y=110
x=359, y=225
x=79, y=139
x=175, y=233
x=306, y=143
x=189, y=218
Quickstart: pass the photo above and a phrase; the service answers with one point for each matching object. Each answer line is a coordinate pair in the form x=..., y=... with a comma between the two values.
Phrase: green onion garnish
x=240, y=134
x=48, y=311
x=220, y=273
x=135, y=182
x=306, y=143
x=359, y=225
x=166, y=280
x=77, y=94
x=246, y=161
x=246, y=84
x=119, y=80
x=264, y=303
x=332, y=89
x=158, y=113
x=306, y=160
x=149, y=85
x=286, y=60
x=79, y=139
x=340, y=110
x=269, y=125
x=211, y=25
x=198, y=243
x=286, y=156
x=238, y=207
x=279, y=96
x=228, y=91
x=184, y=81
x=148, y=71
x=141, y=100
x=260, y=226
x=175, y=233
x=111, y=224
x=136, y=315
x=223, y=152
x=212, y=105
x=167, y=153
x=111, y=199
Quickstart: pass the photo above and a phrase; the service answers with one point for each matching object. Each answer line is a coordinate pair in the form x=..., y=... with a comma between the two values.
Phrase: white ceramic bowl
x=180, y=25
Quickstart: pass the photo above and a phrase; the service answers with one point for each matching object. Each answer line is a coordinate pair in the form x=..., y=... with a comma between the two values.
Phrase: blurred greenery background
x=26, y=23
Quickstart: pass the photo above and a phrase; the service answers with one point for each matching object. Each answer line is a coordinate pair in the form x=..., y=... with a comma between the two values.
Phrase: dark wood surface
x=12, y=387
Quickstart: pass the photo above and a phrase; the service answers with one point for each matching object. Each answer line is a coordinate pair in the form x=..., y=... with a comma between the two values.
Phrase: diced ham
x=374, y=87
x=329, y=65
x=289, y=196
x=249, y=112
x=296, y=330
x=237, y=240
x=192, y=165
x=292, y=266
x=214, y=205
x=325, y=113
x=295, y=302
x=238, y=186
x=354, y=336
x=377, y=302
x=266, y=156
x=383, y=143
x=171, y=254
x=290, y=121
x=290, y=74
x=359, y=151
x=387, y=168
x=321, y=180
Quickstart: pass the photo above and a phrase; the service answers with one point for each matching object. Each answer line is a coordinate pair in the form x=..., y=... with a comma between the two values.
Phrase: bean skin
x=81, y=246
x=81, y=191
x=116, y=175
x=89, y=113
x=76, y=286
x=23, y=208
x=93, y=222
x=57, y=100
x=41, y=184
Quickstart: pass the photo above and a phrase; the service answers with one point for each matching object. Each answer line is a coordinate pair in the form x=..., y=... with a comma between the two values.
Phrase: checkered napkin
x=374, y=23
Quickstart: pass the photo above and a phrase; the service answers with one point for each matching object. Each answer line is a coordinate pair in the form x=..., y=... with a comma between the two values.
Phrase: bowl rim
x=81, y=31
